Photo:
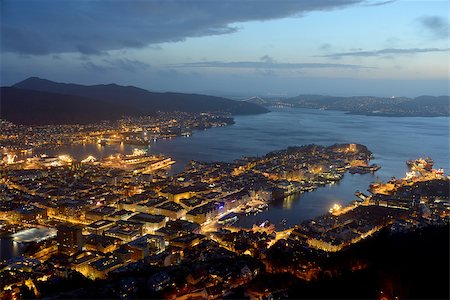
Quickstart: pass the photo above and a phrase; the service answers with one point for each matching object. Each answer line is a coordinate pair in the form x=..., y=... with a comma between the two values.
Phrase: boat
x=229, y=219
x=439, y=171
x=361, y=195
x=335, y=208
x=363, y=169
x=263, y=206
x=138, y=162
x=101, y=142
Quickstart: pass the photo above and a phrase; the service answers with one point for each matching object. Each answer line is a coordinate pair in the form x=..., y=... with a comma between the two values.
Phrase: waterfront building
x=205, y=212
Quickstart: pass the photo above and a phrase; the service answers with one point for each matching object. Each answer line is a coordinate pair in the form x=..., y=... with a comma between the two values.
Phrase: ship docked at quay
x=420, y=163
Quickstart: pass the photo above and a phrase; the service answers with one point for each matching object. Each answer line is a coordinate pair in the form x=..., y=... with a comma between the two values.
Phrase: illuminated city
x=206, y=174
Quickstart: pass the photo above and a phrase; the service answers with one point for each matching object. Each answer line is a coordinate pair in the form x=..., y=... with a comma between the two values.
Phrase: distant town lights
x=10, y=158
x=65, y=158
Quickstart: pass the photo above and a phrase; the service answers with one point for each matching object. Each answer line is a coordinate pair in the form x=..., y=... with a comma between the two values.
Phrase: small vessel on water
x=335, y=208
x=363, y=169
x=439, y=171
x=139, y=162
x=229, y=219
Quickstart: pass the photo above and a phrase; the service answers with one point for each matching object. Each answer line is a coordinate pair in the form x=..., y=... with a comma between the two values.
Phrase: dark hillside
x=143, y=100
x=40, y=108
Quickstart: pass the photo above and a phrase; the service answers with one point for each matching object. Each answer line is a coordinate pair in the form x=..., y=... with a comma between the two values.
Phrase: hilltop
x=41, y=108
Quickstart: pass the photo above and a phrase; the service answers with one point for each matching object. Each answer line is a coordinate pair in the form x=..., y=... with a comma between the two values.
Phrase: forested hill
x=143, y=100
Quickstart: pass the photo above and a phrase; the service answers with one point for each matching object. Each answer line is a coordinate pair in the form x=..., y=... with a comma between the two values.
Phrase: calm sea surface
x=392, y=140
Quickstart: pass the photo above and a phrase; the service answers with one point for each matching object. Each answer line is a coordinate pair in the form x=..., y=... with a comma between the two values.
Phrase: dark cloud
x=92, y=27
x=379, y=3
x=84, y=57
x=22, y=40
x=130, y=65
x=87, y=50
x=90, y=66
x=436, y=26
x=123, y=64
x=385, y=52
x=267, y=63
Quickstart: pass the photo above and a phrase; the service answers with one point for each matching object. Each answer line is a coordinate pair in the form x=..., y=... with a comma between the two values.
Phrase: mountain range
x=36, y=101
x=40, y=101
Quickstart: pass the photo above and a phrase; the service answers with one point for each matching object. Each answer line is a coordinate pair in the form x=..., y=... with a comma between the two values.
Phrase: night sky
x=347, y=47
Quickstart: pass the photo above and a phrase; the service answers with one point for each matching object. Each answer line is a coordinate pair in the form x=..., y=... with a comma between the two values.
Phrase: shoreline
x=368, y=114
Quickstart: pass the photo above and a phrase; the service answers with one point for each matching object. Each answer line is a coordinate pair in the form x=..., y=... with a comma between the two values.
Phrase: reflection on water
x=9, y=248
x=82, y=151
x=300, y=207
x=287, y=202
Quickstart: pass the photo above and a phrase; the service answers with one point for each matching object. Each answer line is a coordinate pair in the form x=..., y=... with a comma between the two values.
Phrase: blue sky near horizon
x=347, y=47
